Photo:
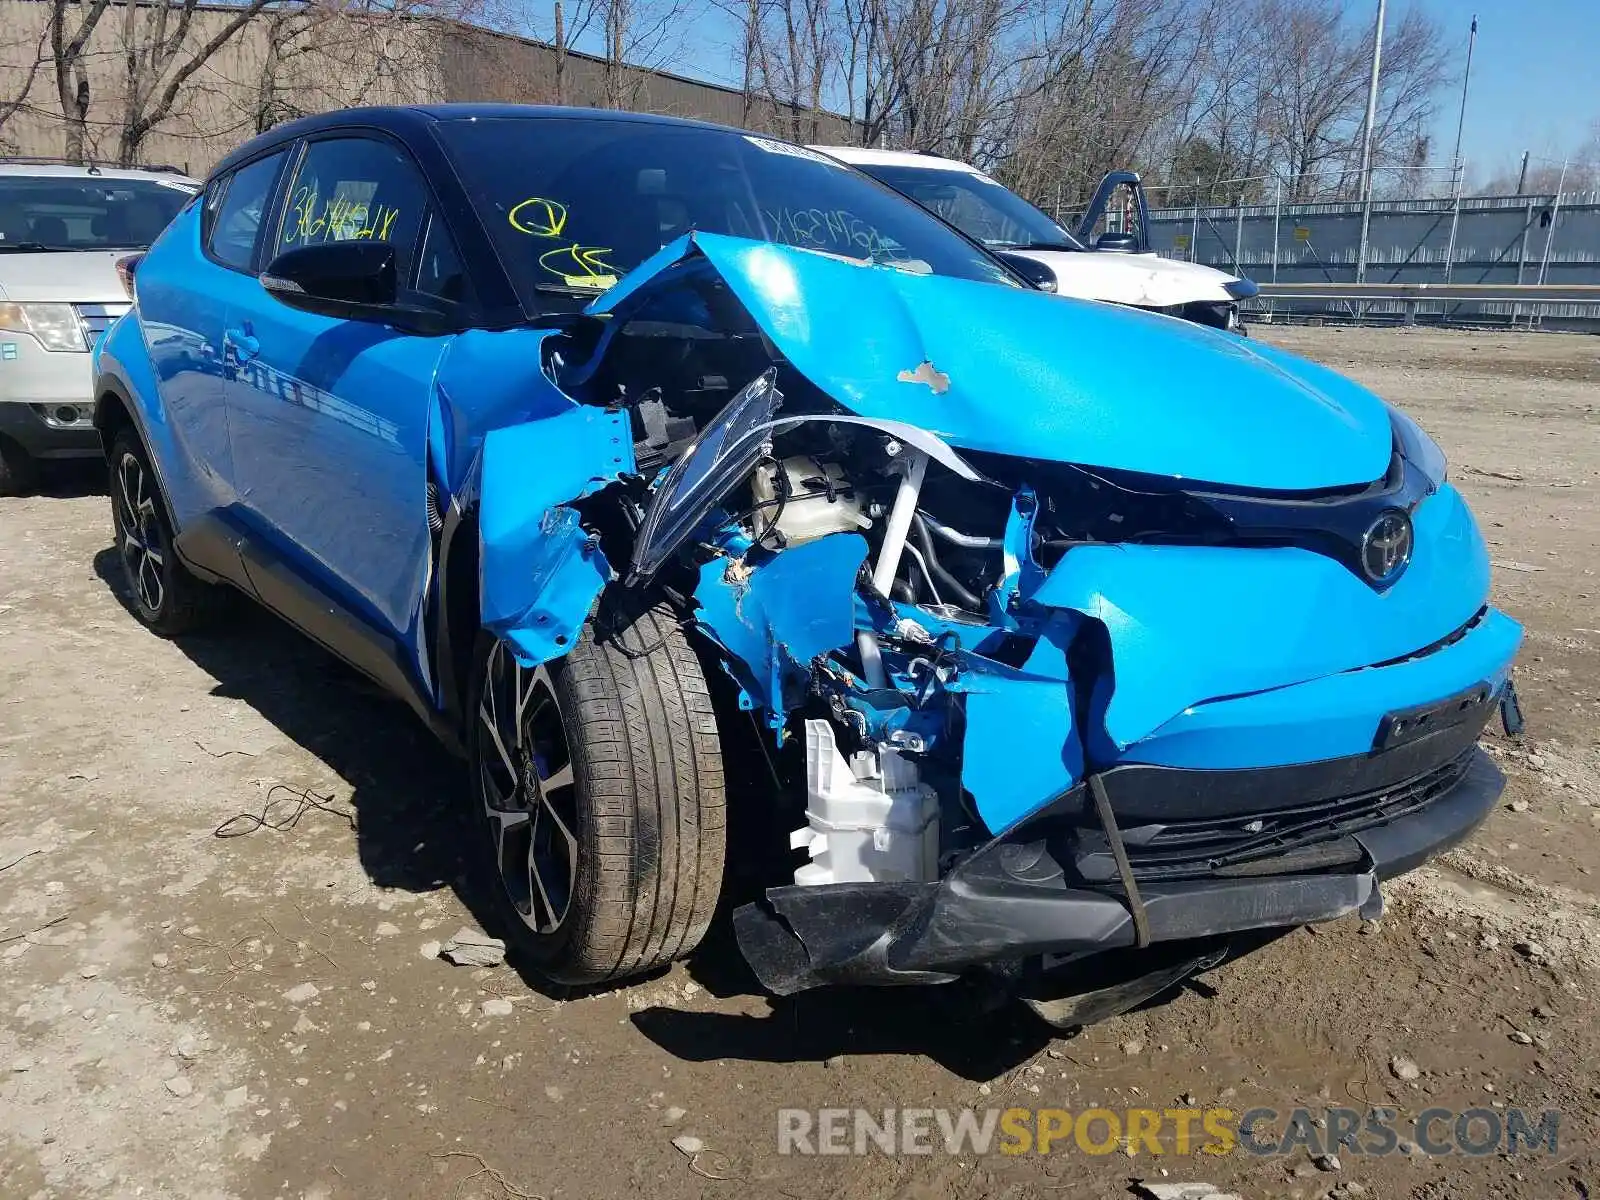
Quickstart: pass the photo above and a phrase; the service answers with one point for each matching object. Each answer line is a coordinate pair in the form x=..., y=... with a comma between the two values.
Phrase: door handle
x=239, y=345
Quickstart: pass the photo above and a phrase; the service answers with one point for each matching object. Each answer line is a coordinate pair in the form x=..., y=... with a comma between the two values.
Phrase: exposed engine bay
x=971, y=628
x=787, y=476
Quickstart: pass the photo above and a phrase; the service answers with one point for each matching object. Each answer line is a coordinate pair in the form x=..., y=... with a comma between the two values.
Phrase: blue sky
x=1535, y=75
x=1535, y=79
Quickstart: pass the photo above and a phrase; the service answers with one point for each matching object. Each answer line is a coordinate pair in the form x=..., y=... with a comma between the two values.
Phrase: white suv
x=63, y=231
x=1006, y=223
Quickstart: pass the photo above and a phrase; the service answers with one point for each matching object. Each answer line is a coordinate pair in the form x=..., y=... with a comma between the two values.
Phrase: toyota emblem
x=1386, y=546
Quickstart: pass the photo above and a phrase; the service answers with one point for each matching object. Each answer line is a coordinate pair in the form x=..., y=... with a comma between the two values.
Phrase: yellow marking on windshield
x=539, y=217
x=580, y=266
x=575, y=265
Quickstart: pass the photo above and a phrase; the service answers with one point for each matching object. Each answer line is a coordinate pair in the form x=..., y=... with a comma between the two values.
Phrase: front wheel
x=598, y=783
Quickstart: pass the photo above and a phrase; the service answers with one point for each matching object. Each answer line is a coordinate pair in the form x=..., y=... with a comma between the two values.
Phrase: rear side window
x=54, y=212
x=231, y=220
x=351, y=189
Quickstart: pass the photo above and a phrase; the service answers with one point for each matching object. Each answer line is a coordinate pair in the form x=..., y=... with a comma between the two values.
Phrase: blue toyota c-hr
x=1066, y=629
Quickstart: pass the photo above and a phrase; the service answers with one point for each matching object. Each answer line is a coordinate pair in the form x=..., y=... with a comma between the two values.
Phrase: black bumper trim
x=1143, y=793
x=1005, y=902
x=19, y=423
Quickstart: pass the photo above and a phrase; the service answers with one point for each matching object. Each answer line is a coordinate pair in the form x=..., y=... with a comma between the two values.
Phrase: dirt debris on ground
x=192, y=1016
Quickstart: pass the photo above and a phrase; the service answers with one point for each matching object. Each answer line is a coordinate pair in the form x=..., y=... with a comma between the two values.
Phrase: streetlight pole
x=1461, y=117
x=1366, y=144
x=1456, y=178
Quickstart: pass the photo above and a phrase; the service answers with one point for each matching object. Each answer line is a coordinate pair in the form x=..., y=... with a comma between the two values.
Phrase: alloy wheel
x=141, y=539
x=528, y=789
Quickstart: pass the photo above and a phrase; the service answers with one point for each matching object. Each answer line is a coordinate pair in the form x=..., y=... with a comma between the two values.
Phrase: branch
x=163, y=108
x=8, y=108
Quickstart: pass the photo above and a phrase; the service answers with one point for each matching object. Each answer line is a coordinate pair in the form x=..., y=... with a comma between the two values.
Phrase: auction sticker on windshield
x=772, y=146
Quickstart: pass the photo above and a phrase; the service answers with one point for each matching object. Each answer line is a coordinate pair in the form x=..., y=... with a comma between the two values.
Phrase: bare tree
x=572, y=21
x=1576, y=170
x=36, y=42
x=639, y=35
x=160, y=58
x=71, y=24
x=1110, y=91
x=1212, y=100
x=791, y=44
x=1316, y=107
x=321, y=55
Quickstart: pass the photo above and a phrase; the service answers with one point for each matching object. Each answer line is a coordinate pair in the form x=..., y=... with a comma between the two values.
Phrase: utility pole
x=1456, y=176
x=1522, y=177
x=1366, y=145
x=1194, y=220
x=1461, y=118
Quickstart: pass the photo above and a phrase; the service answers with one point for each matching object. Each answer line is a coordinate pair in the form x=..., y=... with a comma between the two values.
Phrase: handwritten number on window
x=338, y=220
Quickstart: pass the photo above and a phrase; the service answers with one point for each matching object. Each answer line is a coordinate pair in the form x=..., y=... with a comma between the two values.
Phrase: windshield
x=575, y=204
x=44, y=212
x=978, y=206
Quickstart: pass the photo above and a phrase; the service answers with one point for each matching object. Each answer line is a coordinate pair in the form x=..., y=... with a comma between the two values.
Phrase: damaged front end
x=1082, y=649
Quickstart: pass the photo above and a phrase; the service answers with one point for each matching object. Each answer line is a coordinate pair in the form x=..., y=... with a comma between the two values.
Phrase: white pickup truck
x=1117, y=269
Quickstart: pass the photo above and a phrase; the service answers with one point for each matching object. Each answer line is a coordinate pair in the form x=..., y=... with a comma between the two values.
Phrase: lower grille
x=1228, y=845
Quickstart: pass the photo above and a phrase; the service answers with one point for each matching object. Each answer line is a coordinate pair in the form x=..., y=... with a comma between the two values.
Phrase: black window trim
x=269, y=205
x=431, y=218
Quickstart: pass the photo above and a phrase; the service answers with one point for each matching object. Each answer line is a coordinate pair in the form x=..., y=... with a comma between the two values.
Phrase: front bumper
x=38, y=388
x=41, y=431
x=1025, y=893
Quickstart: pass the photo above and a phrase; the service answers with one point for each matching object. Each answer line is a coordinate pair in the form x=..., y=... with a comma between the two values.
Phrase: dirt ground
x=189, y=1015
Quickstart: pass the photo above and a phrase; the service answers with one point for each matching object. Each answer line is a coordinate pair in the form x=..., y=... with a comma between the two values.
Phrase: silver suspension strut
x=888, y=564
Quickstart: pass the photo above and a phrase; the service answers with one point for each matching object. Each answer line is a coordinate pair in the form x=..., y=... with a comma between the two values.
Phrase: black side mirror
x=1034, y=271
x=351, y=281
x=1117, y=242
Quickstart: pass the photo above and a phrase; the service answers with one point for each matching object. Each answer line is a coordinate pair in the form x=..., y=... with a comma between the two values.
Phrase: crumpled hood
x=77, y=277
x=1025, y=373
x=1143, y=280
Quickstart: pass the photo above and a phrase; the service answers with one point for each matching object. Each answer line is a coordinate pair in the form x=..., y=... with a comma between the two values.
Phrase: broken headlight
x=723, y=455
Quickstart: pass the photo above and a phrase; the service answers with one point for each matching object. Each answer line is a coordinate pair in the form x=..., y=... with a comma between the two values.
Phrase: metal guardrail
x=1492, y=293
x=1526, y=297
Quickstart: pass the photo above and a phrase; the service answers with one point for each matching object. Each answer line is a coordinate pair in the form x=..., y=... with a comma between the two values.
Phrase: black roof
x=413, y=118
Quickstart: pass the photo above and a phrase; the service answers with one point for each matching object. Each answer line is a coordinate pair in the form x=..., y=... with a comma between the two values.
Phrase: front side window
x=574, y=204
x=46, y=212
x=234, y=207
x=352, y=189
x=976, y=205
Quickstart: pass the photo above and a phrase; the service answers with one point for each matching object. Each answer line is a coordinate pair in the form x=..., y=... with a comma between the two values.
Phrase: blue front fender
x=540, y=572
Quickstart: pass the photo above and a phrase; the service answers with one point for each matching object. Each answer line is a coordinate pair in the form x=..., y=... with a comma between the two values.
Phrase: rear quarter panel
x=161, y=359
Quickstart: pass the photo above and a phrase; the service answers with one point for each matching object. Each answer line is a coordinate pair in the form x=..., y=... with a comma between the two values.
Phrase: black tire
x=622, y=740
x=164, y=595
x=19, y=474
